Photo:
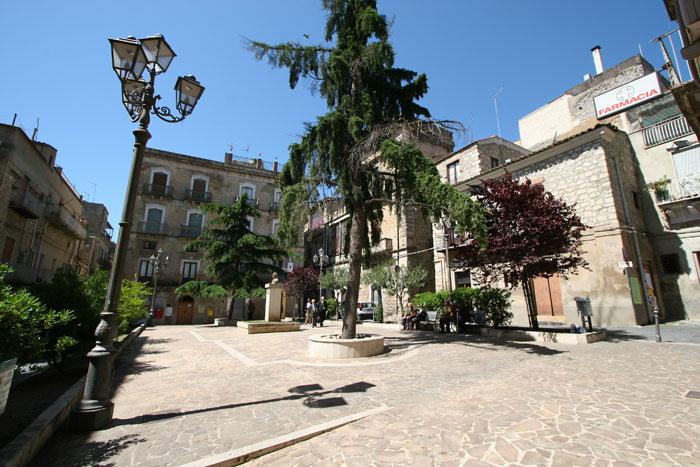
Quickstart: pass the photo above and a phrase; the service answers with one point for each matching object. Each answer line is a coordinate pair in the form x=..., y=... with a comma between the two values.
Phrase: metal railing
x=60, y=217
x=677, y=190
x=275, y=206
x=666, y=131
x=154, y=228
x=151, y=189
x=250, y=201
x=200, y=196
x=190, y=230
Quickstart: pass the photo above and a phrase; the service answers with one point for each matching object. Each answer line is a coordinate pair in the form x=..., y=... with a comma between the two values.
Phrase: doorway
x=548, y=297
x=185, y=310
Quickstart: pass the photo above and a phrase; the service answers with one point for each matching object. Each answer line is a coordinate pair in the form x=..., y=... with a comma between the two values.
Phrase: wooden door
x=160, y=181
x=548, y=296
x=185, y=312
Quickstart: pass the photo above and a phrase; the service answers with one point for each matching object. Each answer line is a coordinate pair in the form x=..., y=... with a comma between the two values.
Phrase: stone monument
x=273, y=299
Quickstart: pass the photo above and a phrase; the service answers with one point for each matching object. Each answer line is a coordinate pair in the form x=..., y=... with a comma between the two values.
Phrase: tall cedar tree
x=370, y=101
x=530, y=234
x=237, y=257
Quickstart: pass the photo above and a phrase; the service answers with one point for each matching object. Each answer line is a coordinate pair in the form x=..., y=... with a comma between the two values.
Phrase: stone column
x=273, y=301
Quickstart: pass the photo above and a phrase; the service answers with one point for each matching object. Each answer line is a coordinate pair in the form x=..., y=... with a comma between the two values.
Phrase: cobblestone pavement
x=197, y=391
x=674, y=331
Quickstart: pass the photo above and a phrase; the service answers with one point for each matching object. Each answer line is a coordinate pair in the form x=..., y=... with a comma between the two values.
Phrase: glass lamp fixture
x=158, y=53
x=187, y=91
x=128, y=58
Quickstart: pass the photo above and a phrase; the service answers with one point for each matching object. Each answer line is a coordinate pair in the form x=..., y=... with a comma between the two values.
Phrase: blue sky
x=56, y=67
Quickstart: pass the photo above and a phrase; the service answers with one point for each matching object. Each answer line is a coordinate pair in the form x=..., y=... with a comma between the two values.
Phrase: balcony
x=198, y=196
x=154, y=228
x=384, y=246
x=250, y=201
x=275, y=206
x=26, y=204
x=61, y=218
x=680, y=202
x=191, y=231
x=161, y=191
x=666, y=131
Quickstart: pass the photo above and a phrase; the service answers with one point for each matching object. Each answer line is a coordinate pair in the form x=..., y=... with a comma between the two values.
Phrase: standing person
x=321, y=311
x=446, y=317
x=314, y=313
x=309, y=312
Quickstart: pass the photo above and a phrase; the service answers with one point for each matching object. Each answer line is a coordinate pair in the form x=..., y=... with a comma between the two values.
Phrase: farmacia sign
x=628, y=95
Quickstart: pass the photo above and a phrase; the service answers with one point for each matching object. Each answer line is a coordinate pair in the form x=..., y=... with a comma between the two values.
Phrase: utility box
x=585, y=310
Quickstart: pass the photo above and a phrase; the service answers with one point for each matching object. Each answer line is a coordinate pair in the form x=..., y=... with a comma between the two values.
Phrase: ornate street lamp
x=130, y=58
x=157, y=260
x=320, y=259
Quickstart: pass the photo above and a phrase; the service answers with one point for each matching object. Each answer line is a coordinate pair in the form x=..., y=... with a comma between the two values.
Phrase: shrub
x=430, y=300
x=464, y=297
x=331, y=307
x=28, y=328
x=379, y=314
x=496, y=304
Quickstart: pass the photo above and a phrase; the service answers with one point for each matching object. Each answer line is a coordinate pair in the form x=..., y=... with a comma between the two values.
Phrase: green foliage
x=334, y=279
x=28, y=328
x=201, y=289
x=237, y=257
x=133, y=304
x=496, y=304
x=379, y=314
x=395, y=282
x=464, y=296
x=432, y=301
x=370, y=102
x=257, y=292
x=331, y=307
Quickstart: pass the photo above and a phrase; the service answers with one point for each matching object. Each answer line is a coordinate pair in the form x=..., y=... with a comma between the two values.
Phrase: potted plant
x=660, y=189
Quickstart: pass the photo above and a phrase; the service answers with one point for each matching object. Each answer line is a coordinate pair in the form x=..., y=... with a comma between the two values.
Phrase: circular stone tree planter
x=330, y=347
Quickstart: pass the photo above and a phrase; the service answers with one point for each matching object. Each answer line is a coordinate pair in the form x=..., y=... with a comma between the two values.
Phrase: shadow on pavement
x=419, y=338
x=311, y=393
x=128, y=365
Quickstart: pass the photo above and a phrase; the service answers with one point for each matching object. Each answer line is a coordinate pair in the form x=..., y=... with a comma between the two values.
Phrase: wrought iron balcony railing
x=165, y=191
x=199, y=196
x=665, y=131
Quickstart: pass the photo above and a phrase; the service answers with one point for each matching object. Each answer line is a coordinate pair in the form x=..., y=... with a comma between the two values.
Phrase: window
x=250, y=223
x=189, y=248
x=463, y=279
x=149, y=245
x=154, y=220
x=195, y=220
x=249, y=191
x=671, y=264
x=275, y=227
x=453, y=172
x=189, y=270
x=495, y=162
x=198, y=192
x=160, y=181
x=145, y=269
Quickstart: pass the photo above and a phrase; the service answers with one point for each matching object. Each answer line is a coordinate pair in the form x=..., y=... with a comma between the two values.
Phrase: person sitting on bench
x=407, y=320
x=421, y=316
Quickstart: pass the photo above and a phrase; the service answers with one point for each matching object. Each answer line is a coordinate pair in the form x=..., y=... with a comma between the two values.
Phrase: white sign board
x=627, y=96
x=624, y=264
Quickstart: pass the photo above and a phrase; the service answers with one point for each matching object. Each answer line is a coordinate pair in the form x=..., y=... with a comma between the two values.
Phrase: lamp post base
x=91, y=415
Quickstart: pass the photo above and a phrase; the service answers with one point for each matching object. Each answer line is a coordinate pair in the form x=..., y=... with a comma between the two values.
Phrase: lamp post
x=320, y=258
x=448, y=239
x=130, y=58
x=156, y=261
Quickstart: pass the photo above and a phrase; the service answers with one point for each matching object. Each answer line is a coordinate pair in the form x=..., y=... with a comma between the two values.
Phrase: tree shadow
x=127, y=363
x=420, y=338
x=619, y=335
x=312, y=395
x=90, y=453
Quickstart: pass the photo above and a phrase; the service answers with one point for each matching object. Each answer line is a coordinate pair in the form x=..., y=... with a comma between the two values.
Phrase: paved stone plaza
x=197, y=391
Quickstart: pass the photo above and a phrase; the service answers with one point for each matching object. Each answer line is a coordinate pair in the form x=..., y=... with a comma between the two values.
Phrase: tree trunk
x=229, y=315
x=529, y=292
x=358, y=231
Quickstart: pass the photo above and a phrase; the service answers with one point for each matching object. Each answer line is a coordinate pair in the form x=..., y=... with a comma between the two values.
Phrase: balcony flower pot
x=7, y=370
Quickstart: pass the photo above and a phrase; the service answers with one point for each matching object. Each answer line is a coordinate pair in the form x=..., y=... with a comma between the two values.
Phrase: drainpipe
x=635, y=240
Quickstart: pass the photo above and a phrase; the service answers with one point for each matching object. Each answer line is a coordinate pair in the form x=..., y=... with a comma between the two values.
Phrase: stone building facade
x=645, y=218
x=41, y=225
x=98, y=247
x=167, y=216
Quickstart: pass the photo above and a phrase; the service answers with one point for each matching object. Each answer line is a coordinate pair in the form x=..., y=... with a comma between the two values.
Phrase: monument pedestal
x=273, y=301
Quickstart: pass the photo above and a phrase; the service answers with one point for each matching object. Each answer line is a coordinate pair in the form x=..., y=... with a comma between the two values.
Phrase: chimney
x=597, y=60
x=274, y=166
x=228, y=158
x=587, y=76
x=259, y=163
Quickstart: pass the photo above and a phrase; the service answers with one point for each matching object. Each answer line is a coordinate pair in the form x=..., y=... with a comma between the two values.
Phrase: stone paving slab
x=198, y=391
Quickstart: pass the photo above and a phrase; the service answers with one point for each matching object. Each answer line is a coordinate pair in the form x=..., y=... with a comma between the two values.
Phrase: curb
x=253, y=451
x=21, y=450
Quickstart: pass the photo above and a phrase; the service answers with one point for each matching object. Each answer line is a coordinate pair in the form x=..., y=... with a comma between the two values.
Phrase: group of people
x=413, y=317
x=315, y=312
